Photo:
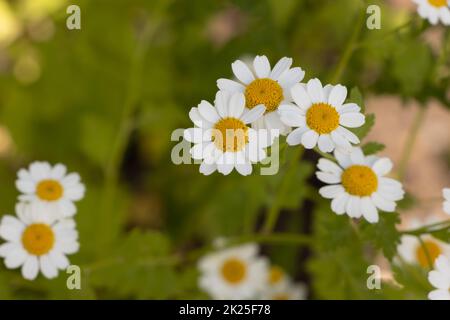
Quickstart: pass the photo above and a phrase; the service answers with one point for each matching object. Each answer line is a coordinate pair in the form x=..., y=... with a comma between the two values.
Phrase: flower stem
x=410, y=142
x=274, y=211
x=429, y=229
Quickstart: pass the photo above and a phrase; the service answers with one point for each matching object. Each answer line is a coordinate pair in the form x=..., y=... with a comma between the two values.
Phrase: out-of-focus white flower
x=440, y=279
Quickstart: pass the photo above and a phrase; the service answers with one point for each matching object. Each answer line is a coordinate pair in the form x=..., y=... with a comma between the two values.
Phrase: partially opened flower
x=235, y=273
x=413, y=251
x=434, y=10
x=446, y=204
x=222, y=136
x=263, y=85
x=440, y=279
x=358, y=185
x=36, y=241
x=320, y=116
x=51, y=186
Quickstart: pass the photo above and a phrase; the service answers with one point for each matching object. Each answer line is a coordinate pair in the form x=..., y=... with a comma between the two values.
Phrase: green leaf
x=141, y=266
x=383, y=234
x=372, y=148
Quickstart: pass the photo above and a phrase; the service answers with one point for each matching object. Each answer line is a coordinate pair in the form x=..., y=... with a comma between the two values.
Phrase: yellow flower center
x=38, y=239
x=359, y=180
x=49, y=190
x=281, y=296
x=234, y=270
x=276, y=274
x=264, y=91
x=322, y=118
x=230, y=134
x=433, y=250
x=438, y=3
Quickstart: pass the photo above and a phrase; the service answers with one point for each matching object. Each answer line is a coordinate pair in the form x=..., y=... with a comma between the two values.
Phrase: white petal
x=329, y=166
x=343, y=158
x=340, y=140
x=230, y=85
x=301, y=97
x=30, y=268
x=331, y=192
x=26, y=186
x=198, y=120
x=242, y=72
x=327, y=177
x=10, y=233
x=353, y=208
x=439, y=280
x=236, y=105
x=347, y=134
x=382, y=166
x=337, y=96
x=15, y=258
x=207, y=169
x=309, y=139
x=262, y=66
x=197, y=151
x=244, y=168
x=348, y=107
x=295, y=137
x=290, y=108
x=315, y=90
x=339, y=204
x=382, y=203
x=58, y=171
x=208, y=112
x=352, y=119
x=196, y=135
x=253, y=114
x=221, y=103
x=325, y=143
x=369, y=211
x=439, y=295
x=357, y=156
x=291, y=77
x=282, y=65
x=293, y=119
x=48, y=268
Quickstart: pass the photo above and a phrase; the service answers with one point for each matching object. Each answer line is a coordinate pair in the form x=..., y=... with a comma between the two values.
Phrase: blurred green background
x=105, y=99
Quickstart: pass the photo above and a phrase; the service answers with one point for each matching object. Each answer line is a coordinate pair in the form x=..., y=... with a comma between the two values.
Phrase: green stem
x=274, y=238
x=410, y=142
x=324, y=154
x=429, y=229
x=350, y=46
x=274, y=211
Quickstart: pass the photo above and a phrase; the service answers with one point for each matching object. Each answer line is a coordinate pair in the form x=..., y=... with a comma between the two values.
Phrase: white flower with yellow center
x=440, y=279
x=279, y=286
x=35, y=241
x=358, y=184
x=222, y=137
x=235, y=273
x=412, y=251
x=446, y=203
x=320, y=115
x=51, y=186
x=263, y=85
x=434, y=11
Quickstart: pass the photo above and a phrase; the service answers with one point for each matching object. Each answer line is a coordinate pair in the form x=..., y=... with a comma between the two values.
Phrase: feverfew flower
x=36, y=241
x=413, y=252
x=51, y=186
x=279, y=286
x=222, y=137
x=264, y=86
x=235, y=273
x=440, y=279
x=320, y=115
x=358, y=184
x=434, y=11
x=446, y=203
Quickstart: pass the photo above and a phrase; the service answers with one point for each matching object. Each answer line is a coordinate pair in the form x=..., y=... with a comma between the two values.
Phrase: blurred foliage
x=131, y=74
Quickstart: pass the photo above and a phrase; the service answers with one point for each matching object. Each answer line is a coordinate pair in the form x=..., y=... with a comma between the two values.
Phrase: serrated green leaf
x=383, y=234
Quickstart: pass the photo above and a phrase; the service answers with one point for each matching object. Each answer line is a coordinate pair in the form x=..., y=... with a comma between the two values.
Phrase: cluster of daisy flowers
x=43, y=232
x=434, y=11
x=263, y=103
x=238, y=273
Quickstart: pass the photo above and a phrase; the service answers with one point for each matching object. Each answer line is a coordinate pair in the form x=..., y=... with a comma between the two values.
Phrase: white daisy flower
x=446, y=203
x=413, y=252
x=279, y=286
x=36, y=241
x=236, y=273
x=320, y=115
x=440, y=279
x=434, y=11
x=51, y=186
x=358, y=184
x=222, y=137
x=266, y=86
